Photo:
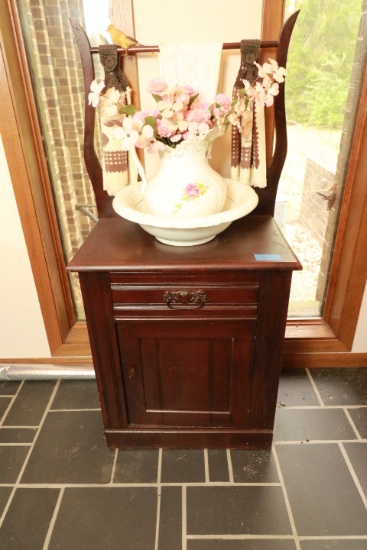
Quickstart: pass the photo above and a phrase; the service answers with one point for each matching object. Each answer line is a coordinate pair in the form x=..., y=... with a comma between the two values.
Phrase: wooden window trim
x=27, y=166
x=319, y=342
x=328, y=341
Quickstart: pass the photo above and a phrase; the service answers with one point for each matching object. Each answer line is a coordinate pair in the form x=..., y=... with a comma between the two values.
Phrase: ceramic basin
x=240, y=201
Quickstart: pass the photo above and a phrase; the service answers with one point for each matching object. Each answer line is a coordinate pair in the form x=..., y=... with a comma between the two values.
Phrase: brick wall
x=314, y=208
x=58, y=83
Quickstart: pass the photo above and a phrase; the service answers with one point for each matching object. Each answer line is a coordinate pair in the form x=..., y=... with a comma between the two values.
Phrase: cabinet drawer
x=184, y=295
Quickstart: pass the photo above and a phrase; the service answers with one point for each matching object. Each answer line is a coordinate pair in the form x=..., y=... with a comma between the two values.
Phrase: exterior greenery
x=320, y=60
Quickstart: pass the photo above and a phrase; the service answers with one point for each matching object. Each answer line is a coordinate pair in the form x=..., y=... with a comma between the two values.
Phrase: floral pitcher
x=185, y=185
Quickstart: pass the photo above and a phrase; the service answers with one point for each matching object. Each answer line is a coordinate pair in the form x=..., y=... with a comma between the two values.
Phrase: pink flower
x=223, y=101
x=181, y=112
x=192, y=190
x=141, y=115
x=165, y=128
x=157, y=86
x=189, y=89
x=182, y=97
x=221, y=108
x=176, y=138
x=200, y=103
x=198, y=115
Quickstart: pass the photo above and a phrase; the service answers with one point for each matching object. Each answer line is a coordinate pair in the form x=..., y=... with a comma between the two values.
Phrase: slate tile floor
x=62, y=489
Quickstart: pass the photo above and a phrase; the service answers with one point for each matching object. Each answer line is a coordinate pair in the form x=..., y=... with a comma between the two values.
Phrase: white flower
x=277, y=73
x=181, y=112
x=273, y=91
x=110, y=103
x=197, y=130
x=168, y=109
x=146, y=134
x=133, y=133
x=154, y=145
x=94, y=95
x=126, y=133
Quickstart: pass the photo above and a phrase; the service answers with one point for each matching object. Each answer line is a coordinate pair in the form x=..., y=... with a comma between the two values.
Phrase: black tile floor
x=62, y=489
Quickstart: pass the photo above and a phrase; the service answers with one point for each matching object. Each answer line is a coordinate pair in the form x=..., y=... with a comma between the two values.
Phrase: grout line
x=114, y=466
x=184, y=518
x=317, y=441
x=17, y=483
x=286, y=499
x=352, y=424
x=53, y=520
x=353, y=474
x=19, y=427
x=15, y=444
x=73, y=410
x=288, y=407
x=331, y=537
x=6, y=412
x=159, y=497
x=322, y=404
x=240, y=537
x=276, y=537
x=206, y=466
x=128, y=485
x=230, y=467
x=159, y=471
x=318, y=407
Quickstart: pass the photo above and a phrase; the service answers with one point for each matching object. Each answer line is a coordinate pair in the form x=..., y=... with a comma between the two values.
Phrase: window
x=325, y=66
x=321, y=341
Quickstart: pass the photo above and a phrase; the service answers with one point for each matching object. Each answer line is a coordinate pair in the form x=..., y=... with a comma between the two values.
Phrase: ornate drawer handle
x=184, y=299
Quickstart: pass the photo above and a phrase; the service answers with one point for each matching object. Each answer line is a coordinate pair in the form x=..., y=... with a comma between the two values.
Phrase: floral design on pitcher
x=191, y=192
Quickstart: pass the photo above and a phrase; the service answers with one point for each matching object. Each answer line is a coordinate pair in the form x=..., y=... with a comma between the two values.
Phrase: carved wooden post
x=272, y=22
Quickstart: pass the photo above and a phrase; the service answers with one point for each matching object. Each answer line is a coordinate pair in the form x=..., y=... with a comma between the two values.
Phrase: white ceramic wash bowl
x=241, y=200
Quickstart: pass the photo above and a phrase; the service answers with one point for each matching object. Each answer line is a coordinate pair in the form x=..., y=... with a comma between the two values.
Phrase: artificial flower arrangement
x=181, y=113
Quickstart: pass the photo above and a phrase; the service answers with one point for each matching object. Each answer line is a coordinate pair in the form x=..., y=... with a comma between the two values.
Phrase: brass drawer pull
x=184, y=299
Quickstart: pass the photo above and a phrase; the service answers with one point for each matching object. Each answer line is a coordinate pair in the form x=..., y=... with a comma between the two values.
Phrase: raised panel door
x=187, y=373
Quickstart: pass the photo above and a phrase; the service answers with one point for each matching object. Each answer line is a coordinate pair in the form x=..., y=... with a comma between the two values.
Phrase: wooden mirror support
x=267, y=196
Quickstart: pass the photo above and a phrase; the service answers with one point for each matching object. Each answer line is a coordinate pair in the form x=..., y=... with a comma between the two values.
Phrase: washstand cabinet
x=187, y=341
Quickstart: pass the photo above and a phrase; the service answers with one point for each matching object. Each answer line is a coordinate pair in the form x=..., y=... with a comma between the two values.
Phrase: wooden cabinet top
x=251, y=243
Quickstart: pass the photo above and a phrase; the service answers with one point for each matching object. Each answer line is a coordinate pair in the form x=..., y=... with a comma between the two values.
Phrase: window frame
x=308, y=343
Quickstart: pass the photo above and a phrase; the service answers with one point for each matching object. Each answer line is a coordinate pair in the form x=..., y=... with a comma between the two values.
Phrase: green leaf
x=156, y=97
x=151, y=121
x=128, y=109
x=192, y=99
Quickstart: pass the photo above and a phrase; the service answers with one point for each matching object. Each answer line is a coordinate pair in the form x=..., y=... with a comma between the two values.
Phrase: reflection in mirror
x=56, y=71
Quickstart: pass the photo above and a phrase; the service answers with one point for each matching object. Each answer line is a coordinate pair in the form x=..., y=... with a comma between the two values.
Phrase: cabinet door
x=187, y=373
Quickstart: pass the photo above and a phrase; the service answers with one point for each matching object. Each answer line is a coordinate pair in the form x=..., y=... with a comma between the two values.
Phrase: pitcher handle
x=140, y=169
